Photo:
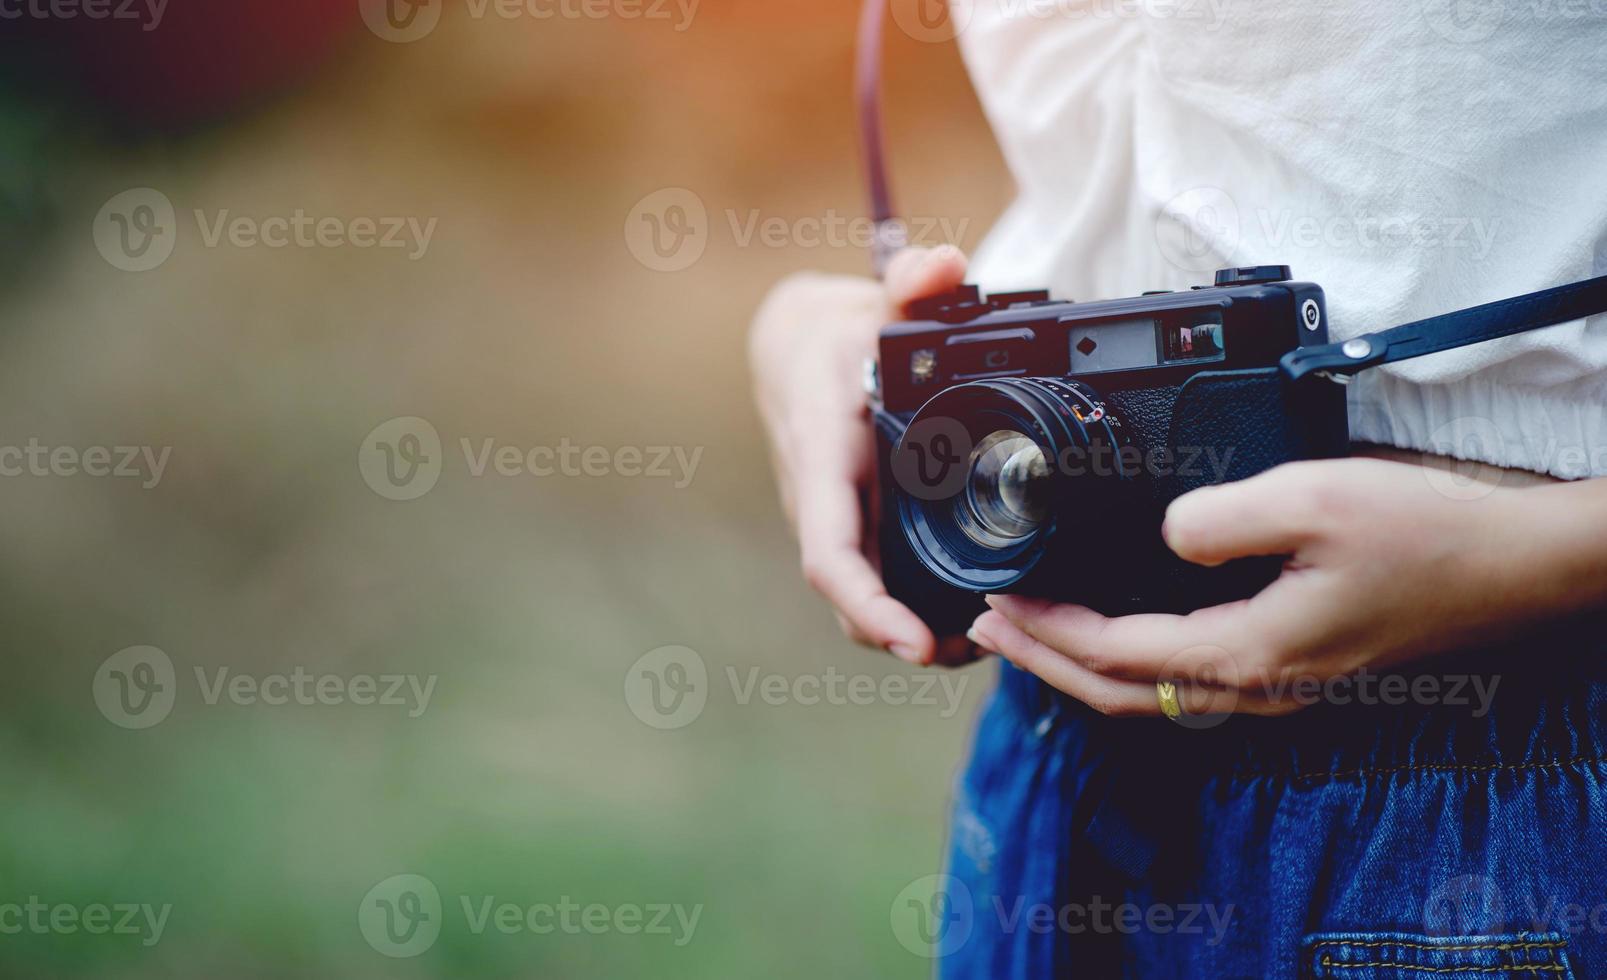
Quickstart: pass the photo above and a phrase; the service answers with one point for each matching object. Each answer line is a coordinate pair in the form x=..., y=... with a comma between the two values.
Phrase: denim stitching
x=1519, y=968
x=1549, y=944
x=1434, y=767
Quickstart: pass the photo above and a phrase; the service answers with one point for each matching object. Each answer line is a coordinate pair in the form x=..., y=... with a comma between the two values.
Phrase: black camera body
x=1029, y=445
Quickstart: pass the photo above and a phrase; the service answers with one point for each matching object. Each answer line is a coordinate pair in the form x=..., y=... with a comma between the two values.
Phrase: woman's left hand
x=1388, y=562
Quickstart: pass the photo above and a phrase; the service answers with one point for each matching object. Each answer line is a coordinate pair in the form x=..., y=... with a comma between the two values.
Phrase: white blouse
x=1412, y=157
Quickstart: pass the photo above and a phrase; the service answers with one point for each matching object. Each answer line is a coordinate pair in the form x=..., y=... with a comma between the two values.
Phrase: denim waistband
x=1536, y=703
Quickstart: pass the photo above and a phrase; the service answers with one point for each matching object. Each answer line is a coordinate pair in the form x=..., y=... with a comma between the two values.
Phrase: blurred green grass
x=262, y=549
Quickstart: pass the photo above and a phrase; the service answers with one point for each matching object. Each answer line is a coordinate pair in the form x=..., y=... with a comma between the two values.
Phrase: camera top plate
x=1249, y=317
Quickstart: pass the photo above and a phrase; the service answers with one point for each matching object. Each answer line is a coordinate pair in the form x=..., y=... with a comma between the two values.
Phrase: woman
x=1409, y=779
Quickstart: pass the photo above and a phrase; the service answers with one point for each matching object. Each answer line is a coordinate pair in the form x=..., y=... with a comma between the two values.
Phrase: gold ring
x=1166, y=692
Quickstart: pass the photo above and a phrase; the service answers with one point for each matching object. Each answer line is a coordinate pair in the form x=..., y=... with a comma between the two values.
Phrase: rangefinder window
x=1124, y=345
x=1192, y=341
x=1114, y=345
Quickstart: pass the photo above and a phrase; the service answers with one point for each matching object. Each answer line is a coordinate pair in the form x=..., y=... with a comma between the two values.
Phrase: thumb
x=1268, y=514
x=916, y=273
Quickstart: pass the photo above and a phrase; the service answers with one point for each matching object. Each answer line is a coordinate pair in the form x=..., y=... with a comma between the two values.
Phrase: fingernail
x=904, y=652
x=981, y=641
x=1018, y=604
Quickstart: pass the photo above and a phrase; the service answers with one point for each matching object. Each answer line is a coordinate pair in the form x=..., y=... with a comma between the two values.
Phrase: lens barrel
x=993, y=476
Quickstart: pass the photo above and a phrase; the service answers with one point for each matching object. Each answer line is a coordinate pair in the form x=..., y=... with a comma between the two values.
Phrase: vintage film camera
x=1031, y=445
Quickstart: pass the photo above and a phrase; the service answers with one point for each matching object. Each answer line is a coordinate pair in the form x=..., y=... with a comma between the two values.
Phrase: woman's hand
x=1384, y=568
x=808, y=347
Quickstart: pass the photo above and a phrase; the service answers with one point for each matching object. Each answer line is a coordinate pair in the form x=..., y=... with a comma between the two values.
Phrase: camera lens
x=1007, y=490
x=992, y=475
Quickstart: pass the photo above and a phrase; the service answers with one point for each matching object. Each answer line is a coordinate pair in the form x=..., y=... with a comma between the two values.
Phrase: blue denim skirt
x=1455, y=834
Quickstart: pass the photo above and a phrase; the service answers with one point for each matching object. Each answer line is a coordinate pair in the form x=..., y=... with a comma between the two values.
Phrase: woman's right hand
x=808, y=345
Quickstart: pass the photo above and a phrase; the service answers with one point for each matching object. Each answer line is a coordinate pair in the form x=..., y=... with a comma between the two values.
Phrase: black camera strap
x=890, y=234
x=1473, y=325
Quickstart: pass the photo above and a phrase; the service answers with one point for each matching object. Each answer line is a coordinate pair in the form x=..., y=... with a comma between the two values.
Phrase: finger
x=1140, y=647
x=853, y=632
x=1269, y=514
x=829, y=538
x=1106, y=695
x=916, y=273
